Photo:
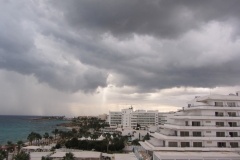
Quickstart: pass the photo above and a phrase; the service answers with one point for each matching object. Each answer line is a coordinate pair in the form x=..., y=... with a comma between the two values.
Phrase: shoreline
x=21, y=126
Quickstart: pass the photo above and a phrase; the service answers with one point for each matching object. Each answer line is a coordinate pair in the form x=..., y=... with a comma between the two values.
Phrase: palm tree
x=55, y=132
x=38, y=137
x=107, y=140
x=46, y=136
x=68, y=156
x=31, y=137
x=22, y=156
x=19, y=145
x=51, y=138
x=9, y=145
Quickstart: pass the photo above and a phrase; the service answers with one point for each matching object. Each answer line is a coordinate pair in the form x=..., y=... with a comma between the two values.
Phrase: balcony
x=236, y=107
x=174, y=137
x=213, y=106
x=211, y=115
x=208, y=117
x=196, y=136
x=202, y=125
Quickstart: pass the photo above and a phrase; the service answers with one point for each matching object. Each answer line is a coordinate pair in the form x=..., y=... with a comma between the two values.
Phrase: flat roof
x=145, y=146
x=218, y=97
x=39, y=155
x=32, y=147
x=189, y=155
x=81, y=154
x=155, y=142
x=129, y=156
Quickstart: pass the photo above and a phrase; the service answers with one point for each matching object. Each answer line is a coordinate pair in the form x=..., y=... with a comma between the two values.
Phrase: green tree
x=51, y=138
x=45, y=158
x=68, y=156
x=46, y=136
x=55, y=132
x=31, y=137
x=146, y=137
x=3, y=154
x=38, y=137
x=22, y=156
x=9, y=146
x=19, y=145
x=135, y=142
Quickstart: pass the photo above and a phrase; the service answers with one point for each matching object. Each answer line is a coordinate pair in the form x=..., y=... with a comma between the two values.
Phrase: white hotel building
x=130, y=118
x=208, y=123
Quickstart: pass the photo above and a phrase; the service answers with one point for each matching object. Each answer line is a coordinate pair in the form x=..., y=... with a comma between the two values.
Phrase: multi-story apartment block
x=126, y=117
x=209, y=123
x=115, y=118
x=130, y=118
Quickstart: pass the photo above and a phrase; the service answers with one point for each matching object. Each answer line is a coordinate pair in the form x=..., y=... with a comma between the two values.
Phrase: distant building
x=103, y=116
x=130, y=118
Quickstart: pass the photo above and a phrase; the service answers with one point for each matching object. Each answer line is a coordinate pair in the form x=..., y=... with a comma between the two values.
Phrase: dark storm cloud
x=150, y=45
x=164, y=19
x=20, y=24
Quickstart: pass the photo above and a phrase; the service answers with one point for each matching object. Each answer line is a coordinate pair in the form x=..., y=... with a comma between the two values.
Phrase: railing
x=204, y=146
x=196, y=135
x=209, y=115
x=202, y=125
x=213, y=106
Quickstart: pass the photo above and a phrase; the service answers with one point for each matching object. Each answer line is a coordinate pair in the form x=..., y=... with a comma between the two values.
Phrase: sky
x=77, y=58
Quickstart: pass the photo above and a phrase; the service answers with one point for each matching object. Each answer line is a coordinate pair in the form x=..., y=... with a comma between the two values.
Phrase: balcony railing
x=173, y=135
x=212, y=106
x=209, y=115
x=202, y=125
x=203, y=146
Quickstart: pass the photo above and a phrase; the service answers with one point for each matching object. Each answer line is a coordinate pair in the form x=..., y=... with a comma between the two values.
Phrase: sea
x=15, y=128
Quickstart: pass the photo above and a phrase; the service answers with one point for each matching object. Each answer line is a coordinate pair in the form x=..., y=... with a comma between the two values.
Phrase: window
x=209, y=142
x=220, y=134
x=231, y=104
x=195, y=123
x=197, y=134
x=219, y=124
x=219, y=114
x=184, y=134
x=208, y=131
x=232, y=114
x=219, y=104
x=234, y=144
x=172, y=144
x=186, y=123
x=208, y=121
x=221, y=144
x=197, y=144
x=232, y=124
x=185, y=144
x=189, y=105
x=233, y=134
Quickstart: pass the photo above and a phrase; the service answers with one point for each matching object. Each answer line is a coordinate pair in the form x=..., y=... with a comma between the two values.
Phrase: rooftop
x=83, y=154
x=202, y=155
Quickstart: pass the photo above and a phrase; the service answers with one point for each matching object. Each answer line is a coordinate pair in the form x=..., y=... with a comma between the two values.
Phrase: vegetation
x=45, y=158
x=135, y=142
x=68, y=156
x=3, y=154
x=106, y=145
x=22, y=156
x=19, y=145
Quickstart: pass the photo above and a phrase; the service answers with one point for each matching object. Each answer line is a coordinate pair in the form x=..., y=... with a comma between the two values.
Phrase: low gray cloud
x=147, y=46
